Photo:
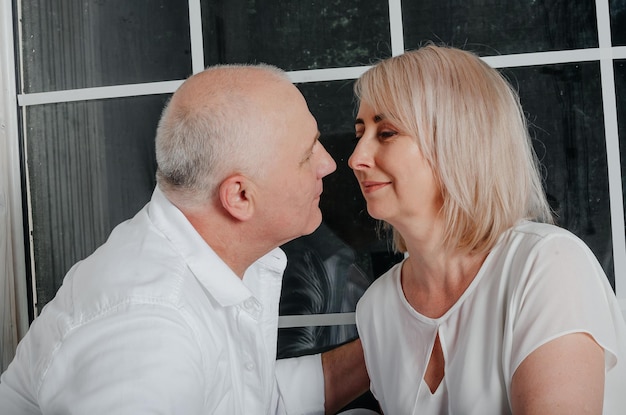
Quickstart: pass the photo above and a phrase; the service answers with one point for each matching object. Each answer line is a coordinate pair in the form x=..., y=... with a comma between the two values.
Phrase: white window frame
x=14, y=319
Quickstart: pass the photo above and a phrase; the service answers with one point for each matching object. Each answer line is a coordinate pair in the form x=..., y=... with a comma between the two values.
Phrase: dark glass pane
x=618, y=22
x=295, y=34
x=328, y=271
x=72, y=44
x=91, y=166
x=620, y=90
x=493, y=27
x=564, y=107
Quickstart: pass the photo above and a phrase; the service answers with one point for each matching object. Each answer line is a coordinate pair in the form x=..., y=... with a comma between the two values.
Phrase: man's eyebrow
x=310, y=149
x=317, y=137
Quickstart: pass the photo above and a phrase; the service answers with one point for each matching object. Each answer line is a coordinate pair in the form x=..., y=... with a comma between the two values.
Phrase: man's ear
x=236, y=197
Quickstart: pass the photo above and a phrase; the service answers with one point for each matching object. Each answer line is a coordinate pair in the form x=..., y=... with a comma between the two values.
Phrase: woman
x=493, y=310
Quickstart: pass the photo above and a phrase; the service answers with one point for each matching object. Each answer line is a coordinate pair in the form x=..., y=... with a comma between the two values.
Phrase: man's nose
x=327, y=165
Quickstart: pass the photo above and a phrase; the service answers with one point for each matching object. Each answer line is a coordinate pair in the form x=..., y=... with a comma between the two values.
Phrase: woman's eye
x=386, y=134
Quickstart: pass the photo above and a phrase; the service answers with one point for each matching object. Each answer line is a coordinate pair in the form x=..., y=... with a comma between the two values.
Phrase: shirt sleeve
x=300, y=386
x=563, y=290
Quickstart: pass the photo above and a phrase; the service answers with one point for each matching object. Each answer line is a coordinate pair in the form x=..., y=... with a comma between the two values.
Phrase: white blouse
x=538, y=283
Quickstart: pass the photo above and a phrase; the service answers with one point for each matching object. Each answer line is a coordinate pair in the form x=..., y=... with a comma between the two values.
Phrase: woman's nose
x=359, y=158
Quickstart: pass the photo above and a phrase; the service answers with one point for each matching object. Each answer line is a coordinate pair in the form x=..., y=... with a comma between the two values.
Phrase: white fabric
x=154, y=322
x=539, y=282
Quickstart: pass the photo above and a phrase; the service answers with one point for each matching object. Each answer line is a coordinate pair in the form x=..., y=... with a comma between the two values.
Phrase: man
x=177, y=312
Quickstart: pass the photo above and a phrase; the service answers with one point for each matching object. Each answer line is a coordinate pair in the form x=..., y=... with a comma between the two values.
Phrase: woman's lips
x=369, y=186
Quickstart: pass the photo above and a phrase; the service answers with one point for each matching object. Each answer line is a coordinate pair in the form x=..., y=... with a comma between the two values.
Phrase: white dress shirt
x=538, y=283
x=154, y=322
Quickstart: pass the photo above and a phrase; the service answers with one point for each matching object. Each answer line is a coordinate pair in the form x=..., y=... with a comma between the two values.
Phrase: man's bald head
x=213, y=126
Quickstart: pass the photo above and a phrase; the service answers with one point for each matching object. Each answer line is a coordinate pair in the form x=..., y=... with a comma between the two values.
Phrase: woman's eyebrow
x=377, y=119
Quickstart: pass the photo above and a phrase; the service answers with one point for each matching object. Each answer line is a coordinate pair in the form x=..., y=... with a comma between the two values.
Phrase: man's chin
x=314, y=226
x=311, y=227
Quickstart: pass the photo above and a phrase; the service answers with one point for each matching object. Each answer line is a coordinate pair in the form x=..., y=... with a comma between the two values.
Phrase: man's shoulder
x=136, y=265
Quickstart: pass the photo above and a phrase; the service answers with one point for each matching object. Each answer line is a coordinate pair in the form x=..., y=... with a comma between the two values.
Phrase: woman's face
x=397, y=182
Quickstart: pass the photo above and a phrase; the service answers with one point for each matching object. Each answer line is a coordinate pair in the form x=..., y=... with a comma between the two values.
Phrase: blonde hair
x=469, y=125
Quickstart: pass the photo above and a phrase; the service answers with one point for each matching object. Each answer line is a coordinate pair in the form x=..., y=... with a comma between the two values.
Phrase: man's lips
x=371, y=186
x=318, y=194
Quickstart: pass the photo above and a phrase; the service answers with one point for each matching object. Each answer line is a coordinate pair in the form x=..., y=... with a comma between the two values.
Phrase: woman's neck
x=433, y=281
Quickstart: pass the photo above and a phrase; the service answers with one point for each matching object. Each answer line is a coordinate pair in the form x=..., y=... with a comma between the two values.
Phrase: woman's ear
x=236, y=197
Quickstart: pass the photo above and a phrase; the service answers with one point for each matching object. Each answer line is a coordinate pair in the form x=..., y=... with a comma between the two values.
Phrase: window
x=95, y=75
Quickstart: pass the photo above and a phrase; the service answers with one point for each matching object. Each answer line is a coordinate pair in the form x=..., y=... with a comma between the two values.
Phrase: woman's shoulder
x=386, y=281
x=540, y=230
x=530, y=247
x=382, y=289
x=530, y=236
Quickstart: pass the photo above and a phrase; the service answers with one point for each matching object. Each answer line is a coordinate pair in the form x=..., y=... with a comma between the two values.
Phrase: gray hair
x=199, y=143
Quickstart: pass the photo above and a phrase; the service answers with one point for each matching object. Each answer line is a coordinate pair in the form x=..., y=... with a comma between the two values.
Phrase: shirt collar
x=209, y=269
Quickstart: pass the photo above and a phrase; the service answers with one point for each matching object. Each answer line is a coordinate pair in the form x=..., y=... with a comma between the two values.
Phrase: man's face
x=292, y=184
